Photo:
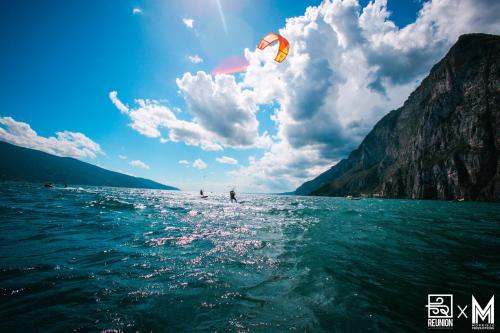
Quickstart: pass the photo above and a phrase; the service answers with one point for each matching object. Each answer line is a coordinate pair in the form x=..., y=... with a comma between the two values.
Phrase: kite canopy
x=282, y=47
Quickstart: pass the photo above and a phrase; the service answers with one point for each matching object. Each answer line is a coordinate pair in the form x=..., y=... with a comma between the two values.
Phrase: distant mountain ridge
x=443, y=143
x=30, y=165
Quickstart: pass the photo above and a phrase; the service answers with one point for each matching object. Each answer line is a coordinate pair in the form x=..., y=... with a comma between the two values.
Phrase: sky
x=177, y=91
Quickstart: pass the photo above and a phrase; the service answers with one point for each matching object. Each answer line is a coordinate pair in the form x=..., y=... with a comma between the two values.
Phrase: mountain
x=23, y=164
x=443, y=143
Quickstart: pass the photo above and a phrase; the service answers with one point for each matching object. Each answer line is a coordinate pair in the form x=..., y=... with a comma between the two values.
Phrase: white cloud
x=139, y=164
x=150, y=117
x=184, y=162
x=226, y=160
x=280, y=169
x=222, y=116
x=70, y=144
x=113, y=96
x=195, y=59
x=222, y=107
x=136, y=11
x=122, y=157
x=188, y=22
x=199, y=164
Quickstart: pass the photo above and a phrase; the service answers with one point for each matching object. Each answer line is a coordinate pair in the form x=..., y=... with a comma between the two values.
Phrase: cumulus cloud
x=280, y=168
x=69, y=144
x=122, y=157
x=222, y=115
x=149, y=117
x=226, y=160
x=184, y=162
x=199, y=164
x=188, y=22
x=195, y=59
x=139, y=164
x=136, y=11
x=221, y=106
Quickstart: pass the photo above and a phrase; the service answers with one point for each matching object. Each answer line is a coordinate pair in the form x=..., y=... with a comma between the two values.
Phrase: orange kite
x=282, y=47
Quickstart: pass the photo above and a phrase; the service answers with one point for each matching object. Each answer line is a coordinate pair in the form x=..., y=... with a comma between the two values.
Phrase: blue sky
x=61, y=60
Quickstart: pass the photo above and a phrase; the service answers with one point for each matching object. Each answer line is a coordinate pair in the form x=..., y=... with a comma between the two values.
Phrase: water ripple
x=109, y=259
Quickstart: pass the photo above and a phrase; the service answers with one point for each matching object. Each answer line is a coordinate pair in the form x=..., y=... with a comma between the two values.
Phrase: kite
x=282, y=46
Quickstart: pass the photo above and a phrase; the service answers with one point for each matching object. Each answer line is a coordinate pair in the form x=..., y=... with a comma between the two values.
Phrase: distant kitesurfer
x=201, y=192
x=232, y=195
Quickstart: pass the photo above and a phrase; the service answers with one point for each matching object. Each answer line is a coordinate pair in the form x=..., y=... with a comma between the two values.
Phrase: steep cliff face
x=443, y=143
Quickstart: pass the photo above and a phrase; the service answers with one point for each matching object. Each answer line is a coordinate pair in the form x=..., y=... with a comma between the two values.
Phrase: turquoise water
x=95, y=259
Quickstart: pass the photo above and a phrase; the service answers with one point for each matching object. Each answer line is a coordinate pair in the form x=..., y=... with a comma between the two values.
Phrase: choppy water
x=94, y=259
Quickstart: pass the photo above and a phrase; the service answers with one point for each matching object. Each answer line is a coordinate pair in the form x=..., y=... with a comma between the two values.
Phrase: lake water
x=96, y=259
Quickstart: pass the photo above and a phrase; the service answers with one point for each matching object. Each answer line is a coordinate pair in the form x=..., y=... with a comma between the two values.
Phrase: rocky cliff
x=443, y=143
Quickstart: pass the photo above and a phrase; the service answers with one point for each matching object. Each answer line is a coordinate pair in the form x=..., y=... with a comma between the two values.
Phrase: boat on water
x=350, y=197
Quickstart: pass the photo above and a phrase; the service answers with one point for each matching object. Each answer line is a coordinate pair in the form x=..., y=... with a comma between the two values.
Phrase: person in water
x=201, y=192
x=232, y=195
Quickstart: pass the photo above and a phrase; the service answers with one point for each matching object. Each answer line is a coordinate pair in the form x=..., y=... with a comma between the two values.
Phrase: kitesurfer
x=232, y=195
x=201, y=192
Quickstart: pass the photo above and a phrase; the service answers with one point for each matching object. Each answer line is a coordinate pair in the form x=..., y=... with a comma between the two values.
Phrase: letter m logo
x=479, y=312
